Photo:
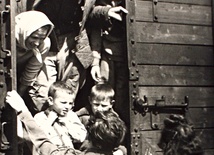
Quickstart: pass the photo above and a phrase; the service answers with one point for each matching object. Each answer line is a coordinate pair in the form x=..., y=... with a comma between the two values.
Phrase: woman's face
x=36, y=38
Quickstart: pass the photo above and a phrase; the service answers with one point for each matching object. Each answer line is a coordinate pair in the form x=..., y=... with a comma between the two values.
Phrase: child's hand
x=95, y=73
x=15, y=101
x=118, y=152
x=121, y=150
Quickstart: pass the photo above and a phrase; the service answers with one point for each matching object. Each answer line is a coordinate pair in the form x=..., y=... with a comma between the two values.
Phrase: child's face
x=100, y=106
x=63, y=102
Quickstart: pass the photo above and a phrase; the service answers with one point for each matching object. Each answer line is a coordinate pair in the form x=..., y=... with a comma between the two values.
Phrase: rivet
x=1, y=72
x=1, y=84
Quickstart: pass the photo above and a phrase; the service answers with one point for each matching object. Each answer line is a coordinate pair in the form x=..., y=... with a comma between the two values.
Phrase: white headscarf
x=27, y=23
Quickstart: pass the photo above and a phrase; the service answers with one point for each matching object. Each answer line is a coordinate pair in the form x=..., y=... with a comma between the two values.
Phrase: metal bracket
x=142, y=106
x=154, y=7
x=160, y=106
x=5, y=145
x=133, y=72
x=3, y=34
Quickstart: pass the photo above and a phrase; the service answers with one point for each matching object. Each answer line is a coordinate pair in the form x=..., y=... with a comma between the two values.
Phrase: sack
x=83, y=50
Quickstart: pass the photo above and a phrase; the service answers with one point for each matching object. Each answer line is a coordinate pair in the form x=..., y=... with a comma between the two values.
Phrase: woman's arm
x=33, y=66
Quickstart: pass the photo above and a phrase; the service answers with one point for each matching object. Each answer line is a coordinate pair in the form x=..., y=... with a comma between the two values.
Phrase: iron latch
x=142, y=106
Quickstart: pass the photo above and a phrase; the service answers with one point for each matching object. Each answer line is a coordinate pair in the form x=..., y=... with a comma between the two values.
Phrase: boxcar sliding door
x=8, y=128
x=171, y=62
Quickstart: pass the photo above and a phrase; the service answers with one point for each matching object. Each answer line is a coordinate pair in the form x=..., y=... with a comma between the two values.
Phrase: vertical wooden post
x=13, y=44
x=8, y=135
x=212, y=5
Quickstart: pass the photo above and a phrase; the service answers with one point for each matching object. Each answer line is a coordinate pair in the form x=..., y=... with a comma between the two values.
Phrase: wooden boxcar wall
x=170, y=50
x=8, y=10
x=8, y=127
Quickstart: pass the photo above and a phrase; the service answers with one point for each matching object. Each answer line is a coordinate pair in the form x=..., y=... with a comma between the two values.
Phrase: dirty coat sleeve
x=36, y=135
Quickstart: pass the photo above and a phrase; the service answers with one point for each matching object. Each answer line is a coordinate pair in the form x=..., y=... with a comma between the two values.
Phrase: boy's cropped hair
x=59, y=85
x=179, y=138
x=107, y=131
x=102, y=91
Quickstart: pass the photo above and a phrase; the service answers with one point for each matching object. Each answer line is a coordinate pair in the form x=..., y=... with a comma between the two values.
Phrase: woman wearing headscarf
x=32, y=30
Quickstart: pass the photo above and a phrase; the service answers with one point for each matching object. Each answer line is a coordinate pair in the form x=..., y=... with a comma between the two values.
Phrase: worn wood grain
x=176, y=75
x=200, y=117
x=209, y=152
x=153, y=137
x=174, y=34
x=197, y=2
x=174, y=54
x=198, y=96
x=174, y=58
x=21, y=6
x=174, y=13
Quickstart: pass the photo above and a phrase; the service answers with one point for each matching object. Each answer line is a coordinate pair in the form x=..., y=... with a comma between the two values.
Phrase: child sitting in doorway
x=101, y=100
x=106, y=132
x=61, y=125
x=106, y=129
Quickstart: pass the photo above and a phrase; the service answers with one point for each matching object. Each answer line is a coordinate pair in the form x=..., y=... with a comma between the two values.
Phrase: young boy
x=108, y=38
x=101, y=100
x=107, y=129
x=61, y=125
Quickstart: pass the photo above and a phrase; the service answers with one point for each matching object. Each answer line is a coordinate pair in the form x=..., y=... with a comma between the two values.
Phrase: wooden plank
x=174, y=34
x=209, y=152
x=174, y=13
x=206, y=152
x=130, y=5
x=200, y=117
x=196, y=2
x=175, y=75
x=174, y=54
x=24, y=5
x=21, y=6
x=206, y=137
x=198, y=96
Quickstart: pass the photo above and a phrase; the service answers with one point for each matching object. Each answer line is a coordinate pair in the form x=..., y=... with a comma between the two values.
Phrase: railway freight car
x=171, y=70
